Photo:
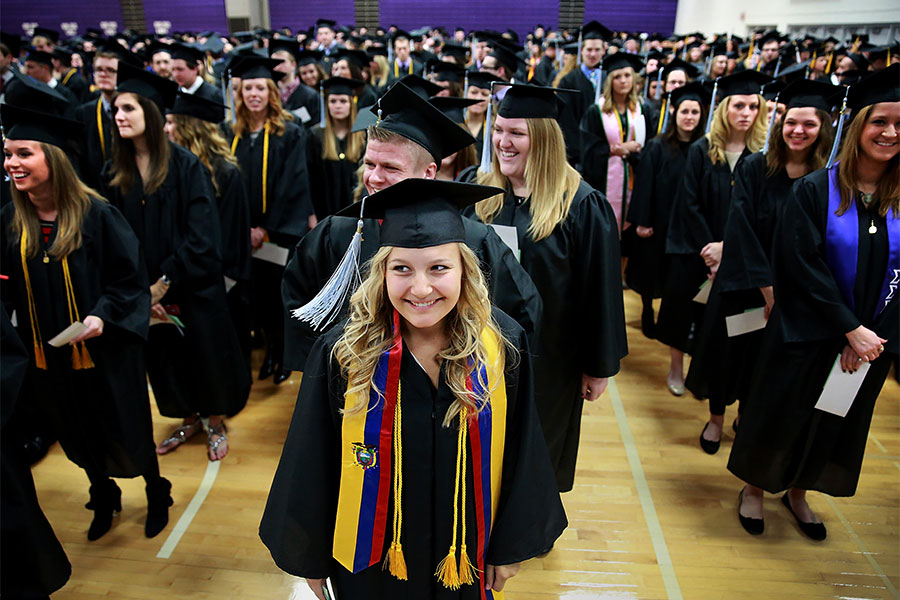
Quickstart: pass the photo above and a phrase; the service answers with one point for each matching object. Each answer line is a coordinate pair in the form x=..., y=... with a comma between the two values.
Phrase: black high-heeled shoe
x=106, y=502
x=159, y=499
x=280, y=376
x=267, y=367
x=814, y=531
x=751, y=525
x=709, y=446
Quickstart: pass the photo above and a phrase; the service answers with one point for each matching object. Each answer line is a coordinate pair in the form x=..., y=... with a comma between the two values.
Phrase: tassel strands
x=712, y=105
x=40, y=360
x=485, y=166
x=395, y=562
x=838, y=131
x=765, y=147
x=81, y=359
x=450, y=573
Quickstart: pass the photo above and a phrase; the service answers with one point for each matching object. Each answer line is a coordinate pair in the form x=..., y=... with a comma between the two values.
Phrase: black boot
x=106, y=502
x=159, y=499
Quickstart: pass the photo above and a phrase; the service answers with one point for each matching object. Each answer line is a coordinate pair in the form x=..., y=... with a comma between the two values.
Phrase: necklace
x=867, y=200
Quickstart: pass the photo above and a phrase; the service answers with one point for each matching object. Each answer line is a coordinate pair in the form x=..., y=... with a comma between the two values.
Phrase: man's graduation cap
x=445, y=71
x=676, y=64
x=288, y=45
x=44, y=58
x=187, y=52
x=26, y=91
x=46, y=32
x=198, y=107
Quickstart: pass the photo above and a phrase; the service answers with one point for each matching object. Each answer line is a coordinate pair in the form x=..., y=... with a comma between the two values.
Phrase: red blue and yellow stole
x=370, y=440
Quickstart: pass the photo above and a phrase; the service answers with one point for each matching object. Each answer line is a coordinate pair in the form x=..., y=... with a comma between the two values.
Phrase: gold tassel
x=81, y=359
x=76, y=358
x=447, y=572
x=466, y=569
x=396, y=562
x=40, y=361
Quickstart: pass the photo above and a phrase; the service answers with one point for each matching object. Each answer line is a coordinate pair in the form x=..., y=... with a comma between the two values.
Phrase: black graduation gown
x=76, y=84
x=33, y=561
x=285, y=215
x=783, y=440
x=698, y=217
x=201, y=371
x=573, y=108
x=331, y=181
x=95, y=155
x=722, y=367
x=298, y=523
x=658, y=173
x=479, y=144
x=304, y=97
x=544, y=72
x=210, y=92
x=577, y=271
x=100, y=415
x=319, y=253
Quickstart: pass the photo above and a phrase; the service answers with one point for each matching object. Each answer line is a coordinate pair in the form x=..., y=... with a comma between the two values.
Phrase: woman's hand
x=257, y=236
x=318, y=587
x=849, y=360
x=644, y=232
x=94, y=329
x=632, y=147
x=592, y=387
x=495, y=577
x=866, y=343
x=157, y=310
x=157, y=291
x=769, y=294
x=312, y=221
x=712, y=254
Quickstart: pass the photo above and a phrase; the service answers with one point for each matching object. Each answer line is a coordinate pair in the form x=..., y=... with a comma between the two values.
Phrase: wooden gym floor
x=651, y=515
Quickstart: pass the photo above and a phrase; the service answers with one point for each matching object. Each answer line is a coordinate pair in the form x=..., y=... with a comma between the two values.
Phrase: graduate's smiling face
x=255, y=94
x=511, y=145
x=170, y=128
x=801, y=128
x=424, y=284
x=129, y=116
x=880, y=139
x=26, y=165
x=742, y=111
x=309, y=75
x=387, y=163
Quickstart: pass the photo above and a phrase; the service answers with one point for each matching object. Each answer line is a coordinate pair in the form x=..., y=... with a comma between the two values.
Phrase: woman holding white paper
x=73, y=265
x=836, y=267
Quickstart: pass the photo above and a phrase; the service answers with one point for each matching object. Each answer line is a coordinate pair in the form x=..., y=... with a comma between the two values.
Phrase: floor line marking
x=212, y=469
x=862, y=548
x=877, y=443
x=643, y=489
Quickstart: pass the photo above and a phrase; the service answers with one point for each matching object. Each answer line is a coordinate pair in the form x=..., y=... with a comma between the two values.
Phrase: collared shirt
x=194, y=86
x=289, y=89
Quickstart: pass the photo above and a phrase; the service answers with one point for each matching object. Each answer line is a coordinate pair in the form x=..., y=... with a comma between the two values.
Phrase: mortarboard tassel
x=327, y=304
x=765, y=147
x=466, y=85
x=712, y=105
x=474, y=48
x=486, y=166
x=658, y=93
x=664, y=122
x=322, y=105
x=646, y=84
x=81, y=359
x=838, y=132
x=40, y=360
x=598, y=90
x=828, y=66
x=390, y=50
x=708, y=64
x=579, y=47
x=231, y=100
x=777, y=66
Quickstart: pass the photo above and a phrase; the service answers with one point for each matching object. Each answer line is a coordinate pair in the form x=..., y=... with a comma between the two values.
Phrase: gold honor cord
x=265, y=167
x=397, y=68
x=100, y=127
x=69, y=76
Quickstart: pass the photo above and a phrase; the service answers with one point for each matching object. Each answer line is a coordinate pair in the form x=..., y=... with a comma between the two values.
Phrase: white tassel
x=326, y=306
x=598, y=89
x=321, y=105
x=712, y=105
x=486, y=166
x=771, y=124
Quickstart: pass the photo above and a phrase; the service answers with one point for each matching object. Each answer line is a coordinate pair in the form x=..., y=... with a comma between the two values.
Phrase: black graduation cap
x=46, y=32
x=356, y=57
x=421, y=213
x=308, y=57
x=694, y=90
x=187, y=52
x=374, y=51
x=481, y=80
x=526, y=101
x=880, y=87
x=23, y=124
x=595, y=30
x=62, y=53
x=620, y=60
x=423, y=55
x=718, y=49
x=400, y=34
x=121, y=52
x=44, y=58
x=405, y=113
x=506, y=57
x=676, y=64
x=329, y=23
x=342, y=86
x=26, y=91
x=771, y=90
x=155, y=48
x=769, y=36
x=453, y=107
x=255, y=67
x=213, y=45
x=288, y=45
x=806, y=92
x=746, y=82
x=859, y=60
x=796, y=70
x=13, y=42
x=445, y=71
x=421, y=86
x=454, y=50
x=198, y=107
x=571, y=48
x=159, y=90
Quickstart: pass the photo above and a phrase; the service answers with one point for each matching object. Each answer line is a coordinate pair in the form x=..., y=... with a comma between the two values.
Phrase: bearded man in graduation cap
x=409, y=139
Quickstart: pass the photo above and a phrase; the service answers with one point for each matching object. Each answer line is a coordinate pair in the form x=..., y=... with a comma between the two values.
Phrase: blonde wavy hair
x=887, y=194
x=720, y=131
x=276, y=118
x=368, y=334
x=634, y=96
x=380, y=80
x=205, y=141
x=551, y=181
x=73, y=200
x=569, y=64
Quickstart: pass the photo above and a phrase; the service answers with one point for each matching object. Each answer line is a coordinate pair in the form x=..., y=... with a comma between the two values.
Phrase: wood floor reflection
x=612, y=548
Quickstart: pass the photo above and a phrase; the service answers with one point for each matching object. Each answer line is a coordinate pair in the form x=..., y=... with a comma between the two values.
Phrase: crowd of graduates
x=450, y=214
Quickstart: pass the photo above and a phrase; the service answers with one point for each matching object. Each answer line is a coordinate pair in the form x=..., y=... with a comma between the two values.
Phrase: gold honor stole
x=366, y=443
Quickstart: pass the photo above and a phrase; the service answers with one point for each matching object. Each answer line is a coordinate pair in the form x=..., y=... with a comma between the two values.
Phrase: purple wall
x=518, y=15
x=652, y=16
x=54, y=13
x=303, y=14
x=194, y=15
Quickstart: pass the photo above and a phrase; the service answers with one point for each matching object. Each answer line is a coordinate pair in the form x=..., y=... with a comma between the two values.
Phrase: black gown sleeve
x=594, y=150
x=289, y=187
x=234, y=218
x=688, y=229
x=317, y=179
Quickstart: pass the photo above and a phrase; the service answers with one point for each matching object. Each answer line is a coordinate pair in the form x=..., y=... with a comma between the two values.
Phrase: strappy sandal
x=178, y=437
x=219, y=431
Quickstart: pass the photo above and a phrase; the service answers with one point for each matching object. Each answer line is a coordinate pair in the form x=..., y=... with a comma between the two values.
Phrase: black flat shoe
x=709, y=446
x=814, y=531
x=106, y=502
x=267, y=368
x=750, y=525
x=280, y=376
